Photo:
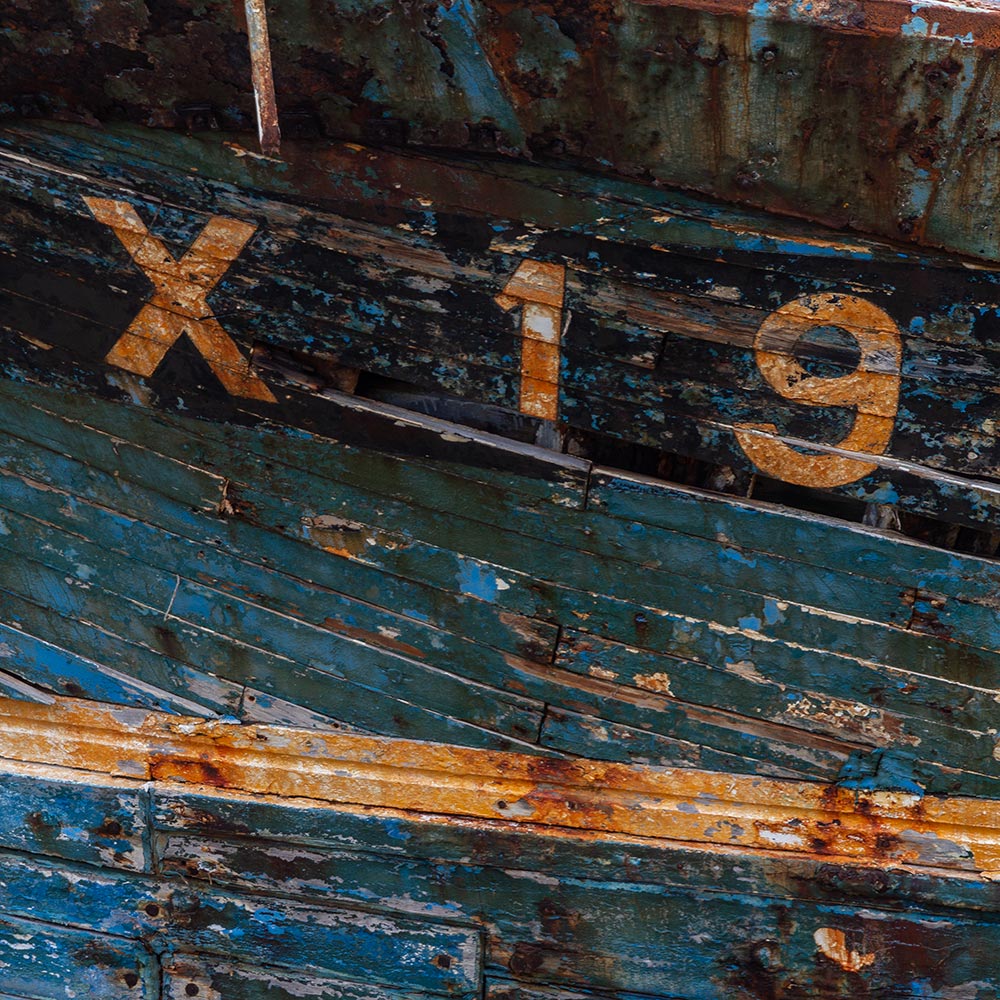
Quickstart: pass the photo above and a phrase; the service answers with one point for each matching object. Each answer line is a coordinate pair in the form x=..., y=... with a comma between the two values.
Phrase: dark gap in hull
x=613, y=452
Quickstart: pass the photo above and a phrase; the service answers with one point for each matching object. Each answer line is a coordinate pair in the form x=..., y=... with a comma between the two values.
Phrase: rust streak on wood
x=549, y=795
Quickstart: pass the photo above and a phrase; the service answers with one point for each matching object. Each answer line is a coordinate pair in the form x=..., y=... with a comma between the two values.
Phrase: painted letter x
x=178, y=305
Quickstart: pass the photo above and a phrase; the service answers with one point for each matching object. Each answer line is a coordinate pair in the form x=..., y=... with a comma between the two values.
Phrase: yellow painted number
x=872, y=389
x=538, y=288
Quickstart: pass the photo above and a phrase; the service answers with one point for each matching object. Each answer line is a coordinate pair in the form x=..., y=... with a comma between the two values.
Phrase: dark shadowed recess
x=610, y=451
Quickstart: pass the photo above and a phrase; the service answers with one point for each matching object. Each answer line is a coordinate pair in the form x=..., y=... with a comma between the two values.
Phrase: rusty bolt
x=766, y=955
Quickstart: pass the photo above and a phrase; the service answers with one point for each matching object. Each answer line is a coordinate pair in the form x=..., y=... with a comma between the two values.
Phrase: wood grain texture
x=275, y=874
x=664, y=302
x=497, y=601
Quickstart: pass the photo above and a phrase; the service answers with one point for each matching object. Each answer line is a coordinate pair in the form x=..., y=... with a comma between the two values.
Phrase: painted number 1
x=539, y=289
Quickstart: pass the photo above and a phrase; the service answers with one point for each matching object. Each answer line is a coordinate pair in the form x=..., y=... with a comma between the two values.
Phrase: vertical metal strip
x=263, y=78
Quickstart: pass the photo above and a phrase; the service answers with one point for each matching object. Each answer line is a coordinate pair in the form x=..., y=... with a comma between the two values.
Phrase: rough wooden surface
x=222, y=537
x=874, y=114
x=682, y=326
x=283, y=863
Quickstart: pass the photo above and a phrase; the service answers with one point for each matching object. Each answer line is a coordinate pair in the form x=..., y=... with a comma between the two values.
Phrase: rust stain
x=658, y=682
x=373, y=638
x=557, y=796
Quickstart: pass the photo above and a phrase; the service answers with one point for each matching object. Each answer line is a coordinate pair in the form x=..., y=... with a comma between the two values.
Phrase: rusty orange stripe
x=614, y=800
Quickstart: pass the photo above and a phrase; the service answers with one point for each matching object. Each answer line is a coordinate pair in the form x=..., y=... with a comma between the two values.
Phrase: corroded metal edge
x=556, y=797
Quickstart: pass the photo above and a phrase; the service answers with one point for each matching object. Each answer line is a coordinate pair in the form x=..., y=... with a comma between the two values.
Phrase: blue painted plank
x=47, y=812
x=215, y=977
x=43, y=962
x=369, y=946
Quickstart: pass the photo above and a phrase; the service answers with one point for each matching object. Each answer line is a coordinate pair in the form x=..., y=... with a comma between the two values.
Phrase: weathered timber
x=750, y=655
x=381, y=293
x=456, y=467
x=288, y=863
x=877, y=117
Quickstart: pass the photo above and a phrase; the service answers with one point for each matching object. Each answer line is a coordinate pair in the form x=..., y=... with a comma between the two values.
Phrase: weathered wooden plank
x=48, y=480
x=717, y=646
x=593, y=536
x=258, y=585
x=661, y=714
x=481, y=784
x=399, y=841
x=113, y=903
x=897, y=467
x=754, y=526
x=377, y=947
x=505, y=989
x=203, y=628
x=42, y=962
x=213, y=977
x=366, y=945
x=70, y=673
x=934, y=719
x=773, y=576
x=645, y=937
x=46, y=811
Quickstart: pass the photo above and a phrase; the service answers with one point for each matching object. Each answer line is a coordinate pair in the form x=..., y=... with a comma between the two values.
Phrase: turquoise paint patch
x=916, y=26
x=477, y=581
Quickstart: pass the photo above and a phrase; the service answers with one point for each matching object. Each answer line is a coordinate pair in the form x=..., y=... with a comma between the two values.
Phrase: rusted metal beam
x=263, y=78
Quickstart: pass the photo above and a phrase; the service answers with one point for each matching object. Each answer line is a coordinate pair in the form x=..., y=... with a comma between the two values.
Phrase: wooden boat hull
x=868, y=115
x=249, y=862
x=411, y=579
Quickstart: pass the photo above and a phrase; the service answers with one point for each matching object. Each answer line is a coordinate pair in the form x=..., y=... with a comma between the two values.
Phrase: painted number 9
x=872, y=389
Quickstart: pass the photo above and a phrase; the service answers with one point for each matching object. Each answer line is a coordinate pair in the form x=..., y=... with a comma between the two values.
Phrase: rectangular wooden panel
x=45, y=811
x=216, y=978
x=42, y=962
